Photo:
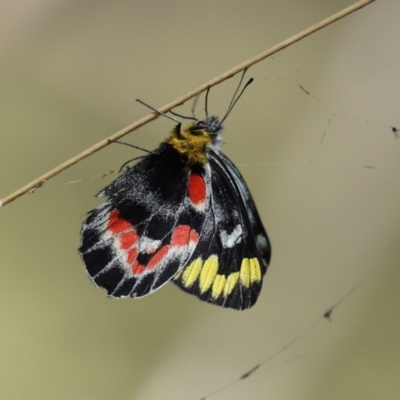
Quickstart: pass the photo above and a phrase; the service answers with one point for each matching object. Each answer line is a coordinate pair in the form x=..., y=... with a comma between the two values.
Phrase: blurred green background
x=324, y=170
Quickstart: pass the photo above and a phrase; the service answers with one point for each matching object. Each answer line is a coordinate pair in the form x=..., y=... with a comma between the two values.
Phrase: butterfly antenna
x=237, y=88
x=206, y=102
x=236, y=97
x=129, y=161
x=193, y=117
x=182, y=116
x=196, y=99
x=158, y=112
x=131, y=145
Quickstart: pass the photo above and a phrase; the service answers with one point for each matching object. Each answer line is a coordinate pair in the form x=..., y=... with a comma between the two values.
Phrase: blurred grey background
x=324, y=170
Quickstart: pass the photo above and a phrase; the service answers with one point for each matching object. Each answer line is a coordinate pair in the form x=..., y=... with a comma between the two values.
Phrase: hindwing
x=233, y=252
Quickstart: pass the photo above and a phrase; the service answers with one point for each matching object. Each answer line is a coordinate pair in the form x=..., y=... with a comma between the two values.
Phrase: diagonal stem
x=180, y=100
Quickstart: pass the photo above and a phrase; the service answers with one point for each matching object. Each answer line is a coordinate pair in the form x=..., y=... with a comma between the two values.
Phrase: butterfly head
x=194, y=140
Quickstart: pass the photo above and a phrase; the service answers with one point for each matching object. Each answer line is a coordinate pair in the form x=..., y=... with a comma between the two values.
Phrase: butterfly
x=182, y=214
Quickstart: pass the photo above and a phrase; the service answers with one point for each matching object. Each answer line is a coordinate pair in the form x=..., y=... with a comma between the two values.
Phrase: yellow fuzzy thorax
x=191, y=142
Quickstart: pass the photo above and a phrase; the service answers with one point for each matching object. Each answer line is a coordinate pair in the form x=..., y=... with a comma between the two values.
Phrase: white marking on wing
x=230, y=240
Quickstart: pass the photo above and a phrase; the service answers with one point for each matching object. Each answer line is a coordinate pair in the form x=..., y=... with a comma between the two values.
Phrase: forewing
x=149, y=227
x=230, y=260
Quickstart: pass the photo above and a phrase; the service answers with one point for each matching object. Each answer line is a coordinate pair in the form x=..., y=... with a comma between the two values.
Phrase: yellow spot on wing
x=250, y=271
x=255, y=270
x=207, y=276
x=218, y=285
x=245, y=272
x=230, y=284
x=191, y=272
x=208, y=273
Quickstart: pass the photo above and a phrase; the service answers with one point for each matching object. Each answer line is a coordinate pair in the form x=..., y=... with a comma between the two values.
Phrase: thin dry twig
x=228, y=74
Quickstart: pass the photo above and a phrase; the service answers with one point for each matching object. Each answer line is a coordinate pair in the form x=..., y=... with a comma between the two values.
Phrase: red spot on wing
x=116, y=224
x=183, y=235
x=158, y=257
x=127, y=234
x=197, y=189
x=180, y=236
x=126, y=240
x=137, y=268
x=132, y=255
x=194, y=236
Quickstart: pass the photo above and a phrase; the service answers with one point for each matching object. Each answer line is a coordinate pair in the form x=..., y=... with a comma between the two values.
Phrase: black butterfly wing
x=257, y=227
x=149, y=227
x=233, y=252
